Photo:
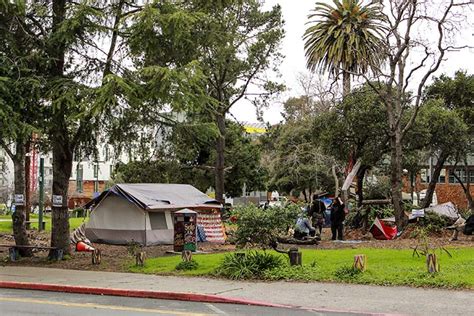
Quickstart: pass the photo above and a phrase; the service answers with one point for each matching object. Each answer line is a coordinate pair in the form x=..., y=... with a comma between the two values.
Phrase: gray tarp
x=447, y=209
x=159, y=196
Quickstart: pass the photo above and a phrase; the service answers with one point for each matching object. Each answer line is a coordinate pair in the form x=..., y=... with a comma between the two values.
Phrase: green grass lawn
x=6, y=227
x=385, y=267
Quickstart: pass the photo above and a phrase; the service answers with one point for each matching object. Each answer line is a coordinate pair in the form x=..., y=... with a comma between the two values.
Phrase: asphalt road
x=25, y=302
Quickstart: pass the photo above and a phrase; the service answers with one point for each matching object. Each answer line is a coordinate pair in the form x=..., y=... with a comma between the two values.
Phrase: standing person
x=337, y=218
x=317, y=213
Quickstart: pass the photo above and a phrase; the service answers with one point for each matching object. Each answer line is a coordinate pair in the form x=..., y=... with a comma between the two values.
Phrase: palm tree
x=347, y=38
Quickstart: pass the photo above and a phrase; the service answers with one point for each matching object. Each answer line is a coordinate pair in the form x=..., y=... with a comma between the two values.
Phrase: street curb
x=207, y=298
x=191, y=297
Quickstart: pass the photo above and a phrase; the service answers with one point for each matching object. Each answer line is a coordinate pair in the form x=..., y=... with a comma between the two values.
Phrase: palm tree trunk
x=346, y=83
x=220, y=147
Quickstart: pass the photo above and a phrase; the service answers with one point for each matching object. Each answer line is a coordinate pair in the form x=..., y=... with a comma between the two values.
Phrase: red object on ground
x=382, y=231
x=83, y=247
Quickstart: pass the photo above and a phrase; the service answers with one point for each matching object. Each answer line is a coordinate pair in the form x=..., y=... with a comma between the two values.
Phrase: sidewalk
x=319, y=296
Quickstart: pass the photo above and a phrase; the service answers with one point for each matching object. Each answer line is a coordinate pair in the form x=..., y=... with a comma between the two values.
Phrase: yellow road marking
x=110, y=307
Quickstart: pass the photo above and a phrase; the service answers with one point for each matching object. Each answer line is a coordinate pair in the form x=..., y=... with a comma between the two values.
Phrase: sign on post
x=57, y=200
x=19, y=199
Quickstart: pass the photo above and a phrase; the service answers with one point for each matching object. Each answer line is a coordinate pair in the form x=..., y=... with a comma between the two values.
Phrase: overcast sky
x=295, y=14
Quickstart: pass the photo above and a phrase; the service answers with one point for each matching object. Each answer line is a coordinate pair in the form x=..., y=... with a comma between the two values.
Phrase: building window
x=79, y=175
x=471, y=176
x=424, y=175
x=461, y=173
x=106, y=153
x=442, y=176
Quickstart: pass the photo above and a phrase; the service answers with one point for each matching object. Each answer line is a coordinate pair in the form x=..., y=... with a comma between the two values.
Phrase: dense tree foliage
x=346, y=37
x=188, y=156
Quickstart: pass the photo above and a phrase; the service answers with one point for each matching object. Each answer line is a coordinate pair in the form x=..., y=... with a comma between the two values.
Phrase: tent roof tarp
x=159, y=196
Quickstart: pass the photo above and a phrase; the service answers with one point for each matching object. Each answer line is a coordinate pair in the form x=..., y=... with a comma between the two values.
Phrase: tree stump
x=140, y=258
x=432, y=263
x=187, y=255
x=96, y=256
x=295, y=257
x=360, y=262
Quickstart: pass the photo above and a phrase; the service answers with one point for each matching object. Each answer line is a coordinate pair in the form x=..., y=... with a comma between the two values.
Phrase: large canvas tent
x=143, y=213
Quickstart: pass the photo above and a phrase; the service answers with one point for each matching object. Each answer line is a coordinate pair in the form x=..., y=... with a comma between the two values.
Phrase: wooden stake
x=360, y=262
x=432, y=263
x=96, y=256
x=187, y=255
x=140, y=258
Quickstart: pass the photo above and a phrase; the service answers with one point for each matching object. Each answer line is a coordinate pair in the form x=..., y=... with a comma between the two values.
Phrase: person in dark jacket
x=337, y=218
x=317, y=213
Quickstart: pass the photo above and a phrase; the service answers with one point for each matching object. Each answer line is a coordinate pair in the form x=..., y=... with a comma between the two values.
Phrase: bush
x=187, y=265
x=250, y=265
x=260, y=227
x=347, y=273
x=380, y=212
x=379, y=190
x=434, y=223
x=291, y=273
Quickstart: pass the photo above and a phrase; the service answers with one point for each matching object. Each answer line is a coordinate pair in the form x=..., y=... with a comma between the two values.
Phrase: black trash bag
x=469, y=228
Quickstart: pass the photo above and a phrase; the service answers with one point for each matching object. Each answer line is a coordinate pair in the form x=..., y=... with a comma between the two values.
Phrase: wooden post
x=360, y=262
x=295, y=256
x=96, y=256
x=140, y=258
x=187, y=255
x=432, y=263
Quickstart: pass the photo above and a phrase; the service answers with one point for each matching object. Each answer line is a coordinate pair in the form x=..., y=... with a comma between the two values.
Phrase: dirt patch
x=117, y=258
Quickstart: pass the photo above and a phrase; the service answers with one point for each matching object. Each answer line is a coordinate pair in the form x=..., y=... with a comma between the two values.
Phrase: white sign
x=19, y=199
x=57, y=200
x=418, y=213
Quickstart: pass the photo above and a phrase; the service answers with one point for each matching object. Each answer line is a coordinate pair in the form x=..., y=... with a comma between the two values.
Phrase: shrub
x=249, y=265
x=302, y=273
x=434, y=223
x=380, y=212
x=261, y=227
x=347, y=273
x=187, y=265
x=379, y=190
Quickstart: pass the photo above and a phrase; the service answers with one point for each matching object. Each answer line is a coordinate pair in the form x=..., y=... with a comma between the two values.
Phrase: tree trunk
x=434, y=178
x=467, y=187
x=62, y=167
x=220, y=147
x=346, y=83
x=19, y=217
x=336, y=181
x=27, y=183
x=396, y=177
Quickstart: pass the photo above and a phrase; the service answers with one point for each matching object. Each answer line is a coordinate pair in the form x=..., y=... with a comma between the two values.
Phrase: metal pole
x=41, y=194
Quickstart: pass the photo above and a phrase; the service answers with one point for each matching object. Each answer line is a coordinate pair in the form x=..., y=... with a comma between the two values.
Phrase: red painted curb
x=192, y=297
x=208, y=298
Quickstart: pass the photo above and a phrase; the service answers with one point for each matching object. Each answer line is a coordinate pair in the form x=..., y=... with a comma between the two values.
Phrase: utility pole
x=41, y=194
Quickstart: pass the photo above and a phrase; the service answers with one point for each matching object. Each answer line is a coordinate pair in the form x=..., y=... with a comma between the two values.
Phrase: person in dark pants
x=337, y=218
x=303, y=228
x=317, y=213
